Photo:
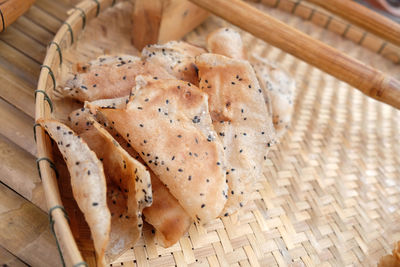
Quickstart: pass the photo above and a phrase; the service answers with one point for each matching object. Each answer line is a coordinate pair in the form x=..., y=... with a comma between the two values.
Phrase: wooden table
x=25, y=234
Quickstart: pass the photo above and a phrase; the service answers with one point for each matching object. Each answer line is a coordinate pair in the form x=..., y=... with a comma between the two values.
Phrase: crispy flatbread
x=128, y=189
x=176, y=57
x=226, y=42
x=240, y=117
x=87, y=180
x=168, y=124
x=165, y=214
x=279, y=89
x=391, y=260
x=79, y=120
x=109, y=77
x=277, y=86
x=128, y=182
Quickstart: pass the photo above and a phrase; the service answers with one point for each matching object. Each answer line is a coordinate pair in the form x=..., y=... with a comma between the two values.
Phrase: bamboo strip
x=363, y=17
x=23, y=43
x=8, y=259
x=321, y=18
x=17, y=127
x=55, y=8
x=19, y=172
x=33, y=30
x=43, y=19
x=25, y=231
x=23, y=66
x=18, y=92
x=11, y=10
x=368, y=80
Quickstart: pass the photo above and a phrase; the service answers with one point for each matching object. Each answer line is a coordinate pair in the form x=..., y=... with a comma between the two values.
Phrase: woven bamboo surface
x=331, y=190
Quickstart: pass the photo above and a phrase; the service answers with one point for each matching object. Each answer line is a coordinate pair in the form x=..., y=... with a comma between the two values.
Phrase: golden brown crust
x=166, y=215
x=392, y=260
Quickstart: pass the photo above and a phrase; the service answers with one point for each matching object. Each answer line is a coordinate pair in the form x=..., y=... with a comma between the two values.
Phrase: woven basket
x=331, y=191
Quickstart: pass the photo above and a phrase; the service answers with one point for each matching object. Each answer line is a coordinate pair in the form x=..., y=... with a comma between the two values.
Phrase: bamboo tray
x=331, y=191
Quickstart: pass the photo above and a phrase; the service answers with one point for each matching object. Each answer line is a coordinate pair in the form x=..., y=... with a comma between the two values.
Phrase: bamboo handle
x=363, y=17
x=368, y=80
x=11, y=10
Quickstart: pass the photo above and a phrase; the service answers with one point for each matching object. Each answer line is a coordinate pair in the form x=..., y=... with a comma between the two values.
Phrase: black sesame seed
x=88, y=172
x=196, y=119
x=203, y=205
x=189, y=177
x=180, y=170
x=77, y=163
x=95, y=204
